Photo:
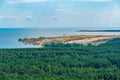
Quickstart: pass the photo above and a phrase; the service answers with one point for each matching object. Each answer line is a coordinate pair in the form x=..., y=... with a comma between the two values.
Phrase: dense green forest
x=59, y=61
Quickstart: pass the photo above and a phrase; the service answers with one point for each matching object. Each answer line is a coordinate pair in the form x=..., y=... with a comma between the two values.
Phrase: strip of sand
x=78, y=39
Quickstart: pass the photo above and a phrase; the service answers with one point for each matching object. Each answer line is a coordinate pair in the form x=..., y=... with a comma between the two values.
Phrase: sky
x=59, y=13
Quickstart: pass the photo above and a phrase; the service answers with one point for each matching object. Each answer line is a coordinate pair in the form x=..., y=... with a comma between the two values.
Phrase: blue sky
x=60, y=13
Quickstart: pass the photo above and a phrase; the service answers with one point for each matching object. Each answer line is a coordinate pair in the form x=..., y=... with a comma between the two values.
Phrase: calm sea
x=9, y=36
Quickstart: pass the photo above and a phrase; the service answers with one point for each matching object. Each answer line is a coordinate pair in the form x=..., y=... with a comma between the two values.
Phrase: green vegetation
x=62, y=62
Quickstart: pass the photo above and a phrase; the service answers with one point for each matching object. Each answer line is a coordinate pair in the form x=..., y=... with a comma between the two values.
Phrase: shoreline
x=77, y=39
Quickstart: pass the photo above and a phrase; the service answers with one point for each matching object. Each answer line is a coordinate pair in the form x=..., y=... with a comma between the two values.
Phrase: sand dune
x=79, y=39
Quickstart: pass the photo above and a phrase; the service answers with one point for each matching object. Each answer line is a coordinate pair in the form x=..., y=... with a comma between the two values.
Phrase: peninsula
x=78, y=39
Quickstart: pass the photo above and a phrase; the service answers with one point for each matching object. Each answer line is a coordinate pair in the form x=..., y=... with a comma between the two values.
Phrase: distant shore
x=78, y=39
x=98, y=31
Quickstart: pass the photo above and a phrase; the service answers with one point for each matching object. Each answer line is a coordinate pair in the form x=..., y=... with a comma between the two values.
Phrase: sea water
x=9, y=36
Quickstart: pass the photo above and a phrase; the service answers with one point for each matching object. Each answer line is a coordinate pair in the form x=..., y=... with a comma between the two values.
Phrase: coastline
x=77, y=39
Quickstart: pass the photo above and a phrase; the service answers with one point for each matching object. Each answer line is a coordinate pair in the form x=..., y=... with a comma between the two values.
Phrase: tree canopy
x=59, y=61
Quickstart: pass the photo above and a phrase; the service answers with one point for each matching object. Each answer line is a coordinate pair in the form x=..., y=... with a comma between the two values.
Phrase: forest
x=57, y=61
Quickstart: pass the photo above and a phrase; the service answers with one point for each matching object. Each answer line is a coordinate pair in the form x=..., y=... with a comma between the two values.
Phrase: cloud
x=94, y=0
x=9, y=18
x=28, y=1
x=62, y=9
x=29, y=18
x=36, y=1
x=56, y=17
x=16, y=18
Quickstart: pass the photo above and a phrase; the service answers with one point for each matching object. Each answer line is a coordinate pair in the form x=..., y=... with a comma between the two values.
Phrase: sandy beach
x=78, y=39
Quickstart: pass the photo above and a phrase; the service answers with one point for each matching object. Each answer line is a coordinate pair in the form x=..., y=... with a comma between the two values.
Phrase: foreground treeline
x=62, y=62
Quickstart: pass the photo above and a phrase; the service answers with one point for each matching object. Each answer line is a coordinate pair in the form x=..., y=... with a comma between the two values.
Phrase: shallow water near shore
x=9, y=36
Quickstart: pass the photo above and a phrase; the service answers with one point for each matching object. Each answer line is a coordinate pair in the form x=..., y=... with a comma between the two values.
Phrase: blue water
x=9, y=36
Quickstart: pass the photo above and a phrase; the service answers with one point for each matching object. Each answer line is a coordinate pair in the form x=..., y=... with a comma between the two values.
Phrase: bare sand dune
x=79, y=39
x=89, y=40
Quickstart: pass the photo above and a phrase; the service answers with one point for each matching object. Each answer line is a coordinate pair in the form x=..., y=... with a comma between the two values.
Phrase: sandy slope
x=86, y=41
x=79, y=39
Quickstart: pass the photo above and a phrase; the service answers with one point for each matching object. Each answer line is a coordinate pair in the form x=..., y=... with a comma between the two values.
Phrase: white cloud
x=36, y=1
x=56, y=17
x=29, y=18
x=9, y=18
x=94, y=0
x=28, y=1
x=16, y=18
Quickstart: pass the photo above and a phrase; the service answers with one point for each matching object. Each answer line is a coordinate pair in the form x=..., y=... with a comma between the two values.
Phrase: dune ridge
x=78, y=39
